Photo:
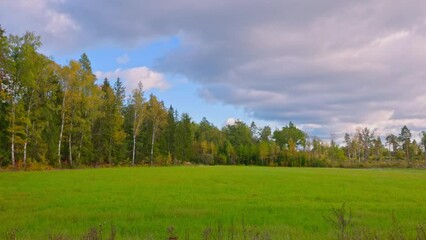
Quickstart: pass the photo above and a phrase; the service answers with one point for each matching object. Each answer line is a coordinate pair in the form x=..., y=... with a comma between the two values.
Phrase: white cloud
x=131, y=78
x=59, y=24
x=123, y=59
x=59, y=30
x=230, y=121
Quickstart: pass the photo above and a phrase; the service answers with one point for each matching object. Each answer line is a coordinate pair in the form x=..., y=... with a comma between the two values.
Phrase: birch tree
x=70, y=95
x=157, y=115
x=19, y=83
x=138, y=104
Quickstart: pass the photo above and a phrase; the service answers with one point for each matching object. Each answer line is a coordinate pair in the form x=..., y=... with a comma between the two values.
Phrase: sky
x=328, y=66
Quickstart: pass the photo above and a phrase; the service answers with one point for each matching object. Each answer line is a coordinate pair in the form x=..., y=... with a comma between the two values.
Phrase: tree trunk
x=61, y=132
x=134, y=138
x=12, y=150
x=110, y=151
x=134, y=149
x=25, y=149
x=152, y=141
x=70, y=149
x=79, y=148
x=80, y=143
x=27, y=130
x=408, y=155
x=12, y=140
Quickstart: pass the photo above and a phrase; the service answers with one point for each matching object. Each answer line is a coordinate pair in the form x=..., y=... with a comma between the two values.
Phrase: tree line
x=57, y=115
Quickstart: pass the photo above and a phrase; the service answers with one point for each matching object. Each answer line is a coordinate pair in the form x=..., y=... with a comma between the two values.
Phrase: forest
x=58, y=116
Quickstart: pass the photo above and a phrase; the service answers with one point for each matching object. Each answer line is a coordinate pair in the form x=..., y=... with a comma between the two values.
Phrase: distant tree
x=392, y=142
x=254, y=131
x=378, y=148
x=265, y=134
x=335, y=152
x=120, y=95
x=405, y=138
x=240, y=137
x=291, y=132
x=367, y=137
x=348, y=142
x=423, y=142
x=414, y=150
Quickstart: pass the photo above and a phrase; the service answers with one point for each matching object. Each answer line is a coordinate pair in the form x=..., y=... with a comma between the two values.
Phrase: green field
x=142, y=202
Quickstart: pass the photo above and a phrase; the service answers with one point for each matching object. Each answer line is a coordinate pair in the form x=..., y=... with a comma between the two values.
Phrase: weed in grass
x=421, y=232
x=396, y=232
x=11, y=234
x=172, y=234
x=341, y=221
x=58, y=237
x=222, y=233
x=96, y=233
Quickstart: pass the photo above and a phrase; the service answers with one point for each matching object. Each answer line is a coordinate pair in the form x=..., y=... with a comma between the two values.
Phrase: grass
x=143, y=202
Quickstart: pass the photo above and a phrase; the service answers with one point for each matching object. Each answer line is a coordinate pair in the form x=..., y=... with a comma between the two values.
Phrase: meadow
x=143, y=202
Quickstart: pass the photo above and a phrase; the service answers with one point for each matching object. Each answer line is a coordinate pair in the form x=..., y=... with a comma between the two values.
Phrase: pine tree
x=171, y=134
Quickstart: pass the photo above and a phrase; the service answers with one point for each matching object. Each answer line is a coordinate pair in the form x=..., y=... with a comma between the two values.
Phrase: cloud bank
x=131, y=78
x=332, y=64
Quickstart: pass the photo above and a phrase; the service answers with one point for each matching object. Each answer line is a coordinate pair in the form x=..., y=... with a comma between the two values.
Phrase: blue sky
x=329, y=66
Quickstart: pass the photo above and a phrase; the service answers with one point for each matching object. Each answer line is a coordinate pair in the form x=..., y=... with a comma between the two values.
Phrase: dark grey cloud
x=332, y=64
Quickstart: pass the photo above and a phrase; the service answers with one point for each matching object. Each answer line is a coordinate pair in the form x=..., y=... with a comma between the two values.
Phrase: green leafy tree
x=265, y=134
x=291, y=132
x=241, y=138
x=42, y=112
